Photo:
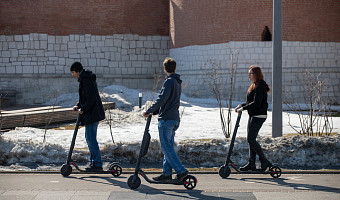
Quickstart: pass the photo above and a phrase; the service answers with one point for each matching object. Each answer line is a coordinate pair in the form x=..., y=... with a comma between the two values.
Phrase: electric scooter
x=225, y=171
x=134, y=181
x=115, y=169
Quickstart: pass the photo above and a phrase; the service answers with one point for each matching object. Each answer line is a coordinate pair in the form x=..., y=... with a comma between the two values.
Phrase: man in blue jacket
x=166, y=106
x=91, y=111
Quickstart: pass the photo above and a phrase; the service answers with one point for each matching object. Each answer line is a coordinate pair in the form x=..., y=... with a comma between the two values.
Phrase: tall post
x=277, y=70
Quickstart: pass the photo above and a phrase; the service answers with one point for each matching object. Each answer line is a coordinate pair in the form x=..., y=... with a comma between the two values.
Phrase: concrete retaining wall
x=316, y=57
x=38, y=65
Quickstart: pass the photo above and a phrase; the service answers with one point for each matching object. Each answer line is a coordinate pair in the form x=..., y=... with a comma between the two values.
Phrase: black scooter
x=225, y=171
x=115, y=169
x=134, y=181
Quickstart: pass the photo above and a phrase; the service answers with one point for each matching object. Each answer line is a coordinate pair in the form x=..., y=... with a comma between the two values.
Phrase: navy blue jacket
x=257, y=100
x=168, y=101
x=89, y=99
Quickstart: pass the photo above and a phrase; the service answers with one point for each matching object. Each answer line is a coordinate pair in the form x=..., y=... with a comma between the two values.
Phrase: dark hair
x=169, y=65
x=76, y=66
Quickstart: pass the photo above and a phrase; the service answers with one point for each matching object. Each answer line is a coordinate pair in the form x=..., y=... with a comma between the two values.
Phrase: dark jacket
x=89, y=99
x=168, y=101
x=257, y=100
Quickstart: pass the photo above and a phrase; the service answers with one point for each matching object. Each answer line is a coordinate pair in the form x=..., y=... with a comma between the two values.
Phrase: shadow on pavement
x=295, y=186
x=147, y=192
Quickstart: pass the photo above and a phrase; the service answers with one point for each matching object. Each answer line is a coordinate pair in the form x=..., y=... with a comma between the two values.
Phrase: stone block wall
x=37, y=66
x=316, y=57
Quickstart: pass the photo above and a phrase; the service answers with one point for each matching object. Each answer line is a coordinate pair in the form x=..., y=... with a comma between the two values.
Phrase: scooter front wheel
x=134, y=181
x=66, y=170
x=115, y=169
x=275, y=171
x=190, y=182
x=224, y=171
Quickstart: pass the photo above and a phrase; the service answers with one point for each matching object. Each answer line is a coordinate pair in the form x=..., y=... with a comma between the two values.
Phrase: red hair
x=257, y=72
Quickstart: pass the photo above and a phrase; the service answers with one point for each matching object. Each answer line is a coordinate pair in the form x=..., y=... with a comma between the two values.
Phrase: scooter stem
x=143, y=146
x=73, y=140
x=233, y=138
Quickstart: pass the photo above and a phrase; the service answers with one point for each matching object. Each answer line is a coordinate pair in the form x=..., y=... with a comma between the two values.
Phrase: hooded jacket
x=89, y=99
x=168, y=101
x=257, y=100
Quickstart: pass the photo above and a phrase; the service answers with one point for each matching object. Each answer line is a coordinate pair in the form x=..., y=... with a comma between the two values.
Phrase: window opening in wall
x=266, y=35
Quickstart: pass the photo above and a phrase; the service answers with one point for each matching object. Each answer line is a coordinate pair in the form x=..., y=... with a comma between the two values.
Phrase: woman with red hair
x=257, y=106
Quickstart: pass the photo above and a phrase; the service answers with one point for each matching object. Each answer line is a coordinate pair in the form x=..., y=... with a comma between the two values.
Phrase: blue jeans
x=166, y=136
x=91, y=139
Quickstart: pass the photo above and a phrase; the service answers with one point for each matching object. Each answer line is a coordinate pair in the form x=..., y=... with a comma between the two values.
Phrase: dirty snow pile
x=199, y=140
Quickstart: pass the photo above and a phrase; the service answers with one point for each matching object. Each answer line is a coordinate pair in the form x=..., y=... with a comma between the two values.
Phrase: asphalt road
x=52, y=186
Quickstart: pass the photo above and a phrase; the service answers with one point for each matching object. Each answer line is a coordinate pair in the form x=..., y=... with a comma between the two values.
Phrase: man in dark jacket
x=166, y=106
x=91, y=111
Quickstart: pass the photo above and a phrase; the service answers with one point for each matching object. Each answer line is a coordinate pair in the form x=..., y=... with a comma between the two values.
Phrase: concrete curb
x=131, y=171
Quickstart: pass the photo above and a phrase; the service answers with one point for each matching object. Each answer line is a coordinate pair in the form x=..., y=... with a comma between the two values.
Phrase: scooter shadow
x=146, y=190
x=295, y=186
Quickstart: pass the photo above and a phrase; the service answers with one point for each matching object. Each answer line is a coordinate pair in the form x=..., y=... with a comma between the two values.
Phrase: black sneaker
x=93, y=168
x=162, y=177
x=265, y=164
x=248, y=167
x=181, y=176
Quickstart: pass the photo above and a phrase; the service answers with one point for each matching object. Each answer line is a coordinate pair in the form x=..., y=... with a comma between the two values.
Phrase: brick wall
x=201, y=22
x=123, y=41
x=96, y=17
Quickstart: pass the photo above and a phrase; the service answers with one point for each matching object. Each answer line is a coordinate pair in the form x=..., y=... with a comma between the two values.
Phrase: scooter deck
x=95, y=172
x=254, y=172
x=257, y=171
x=172, y=181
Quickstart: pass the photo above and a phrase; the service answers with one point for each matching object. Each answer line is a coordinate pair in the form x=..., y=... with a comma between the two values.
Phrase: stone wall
x=37, y=66
x=316, y=57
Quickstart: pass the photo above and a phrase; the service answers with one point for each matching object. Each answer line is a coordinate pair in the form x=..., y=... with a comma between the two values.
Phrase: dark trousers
x=254, y=126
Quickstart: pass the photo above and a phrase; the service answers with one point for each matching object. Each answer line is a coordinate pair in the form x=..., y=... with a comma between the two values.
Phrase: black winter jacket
x=257, y=100
x=89, y=99
x=168, y=101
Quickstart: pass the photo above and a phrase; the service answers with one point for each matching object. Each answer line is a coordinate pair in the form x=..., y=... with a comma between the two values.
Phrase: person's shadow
x=295, y=186
x=146, y=192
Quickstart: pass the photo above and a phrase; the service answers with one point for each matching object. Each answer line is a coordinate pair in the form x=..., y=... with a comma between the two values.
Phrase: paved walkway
x=210, y=187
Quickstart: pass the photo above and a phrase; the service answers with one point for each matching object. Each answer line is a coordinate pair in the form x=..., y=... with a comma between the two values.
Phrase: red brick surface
x=97, y=17
x=192, y=22
x=200, y=22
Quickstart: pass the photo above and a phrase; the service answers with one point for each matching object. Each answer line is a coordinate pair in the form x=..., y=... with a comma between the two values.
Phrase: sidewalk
x=210, y=186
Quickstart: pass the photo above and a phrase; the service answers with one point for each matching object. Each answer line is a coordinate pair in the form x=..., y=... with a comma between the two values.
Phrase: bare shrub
x=51, y=108
x=214, y=75
x=2, y=119
x=315, y=117
x=194, y=95
x=109, y=116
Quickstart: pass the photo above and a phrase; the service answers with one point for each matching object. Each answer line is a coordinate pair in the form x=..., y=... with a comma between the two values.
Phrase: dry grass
x=295, y=134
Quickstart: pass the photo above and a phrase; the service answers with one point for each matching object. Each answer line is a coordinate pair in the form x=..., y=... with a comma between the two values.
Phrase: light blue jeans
x=91, y=139
x=166, y=136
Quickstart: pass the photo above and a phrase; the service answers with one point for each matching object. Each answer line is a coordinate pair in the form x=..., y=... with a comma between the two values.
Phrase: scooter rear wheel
x=224, y=171
x=275, y=171
x=66, y=170
x=134, y=181
x=190, y=182
x=115, y=169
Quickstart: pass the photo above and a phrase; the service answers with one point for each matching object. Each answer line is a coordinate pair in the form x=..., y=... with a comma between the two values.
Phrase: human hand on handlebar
x=239, y=109
x=76, y=108
x=145, y=114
